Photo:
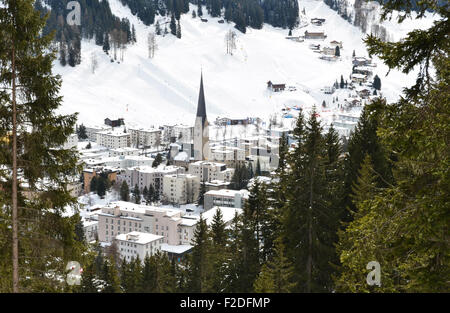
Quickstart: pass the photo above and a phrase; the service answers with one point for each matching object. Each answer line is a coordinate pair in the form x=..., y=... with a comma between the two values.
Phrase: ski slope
x=152, y=92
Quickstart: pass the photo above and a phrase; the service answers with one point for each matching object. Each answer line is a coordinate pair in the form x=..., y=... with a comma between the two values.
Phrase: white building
x=71, y=142
x=225, y=198
x=146, y=137
x=144, y=176
x=124, y=217
x=127, y=151
x=113, y=139
x=136, y=244
x=208, y=171
x=180, y=188
x=91, y=131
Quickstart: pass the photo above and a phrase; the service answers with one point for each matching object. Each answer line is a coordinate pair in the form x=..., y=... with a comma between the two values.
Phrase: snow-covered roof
x=139, y=237
x=179, y=249
x=182, y=156
x=227, y=214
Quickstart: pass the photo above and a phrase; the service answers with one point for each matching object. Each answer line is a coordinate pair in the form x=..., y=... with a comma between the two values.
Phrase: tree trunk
x=15, y=239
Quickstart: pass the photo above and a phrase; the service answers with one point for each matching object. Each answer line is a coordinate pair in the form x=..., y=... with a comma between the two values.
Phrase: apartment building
x=91, y=131
x=208, y=171
x=124, y=217
x=144, y=176
x=71, y=142
x=113, y=139
x=228, y=155
x=127, y=151
x=225, y=198
x=136, y=244
x=178, y=133
x=145, y=137
x=180, y=188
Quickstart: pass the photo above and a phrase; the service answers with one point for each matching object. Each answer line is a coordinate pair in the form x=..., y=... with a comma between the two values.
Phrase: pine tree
x=194, y=15
x=178, y=30
x=201, y=194
x=219, y=251
x=173, y=26
x=111, y=277
x=337, y=52
x=199, y=10
x=157, y=161
x=200, y=267
x=124, y=192
x=89, y=279
x=309, y=220
x=277, y=275
x=136, y=194
x=342, y=85
x=157, y=28
x=377, y=83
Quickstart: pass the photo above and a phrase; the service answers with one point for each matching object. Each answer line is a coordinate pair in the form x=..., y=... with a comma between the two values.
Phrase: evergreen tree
x=200, y=267
x=199, y=10
x=81, y=132
x=157, y=161
x=277, y=275
x=178, y=30
x=337, y=52
x=157, y=28
x=377, y=83
x=136, y=194
x=173, y=26
x=124, y=192
x=342, y=85
x=309, y=220
x=201, y=194
x=106, y=46
x=194, y=15
x=110, y=277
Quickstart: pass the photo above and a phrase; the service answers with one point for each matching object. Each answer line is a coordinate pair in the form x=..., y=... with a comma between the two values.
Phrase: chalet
x=114, y=123
x=204, y=20
x=359, y=78
x=335, y=44
x=365, y=70
x=361, y=61
x=331, y=58
x=220, y=21
x=317, y=21
x=329, y=51
x=315, y=35
x=295, y=38
x=329, y=90
x=276, y=87
x=364, y=93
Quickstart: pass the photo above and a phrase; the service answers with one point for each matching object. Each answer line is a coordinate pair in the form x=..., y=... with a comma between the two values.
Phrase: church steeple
x=201, y=133
x=201, y=108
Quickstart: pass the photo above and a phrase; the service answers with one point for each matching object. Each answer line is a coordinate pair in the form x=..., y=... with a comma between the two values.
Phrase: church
x=201, y=132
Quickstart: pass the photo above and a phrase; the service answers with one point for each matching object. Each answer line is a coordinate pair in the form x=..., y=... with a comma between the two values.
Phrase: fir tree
x=173, y=26
x=124, y=192
x=178, y=30
x=157, y=161
x=110, y=277
x=136, y=194
x=199, y=276
x=277, y=275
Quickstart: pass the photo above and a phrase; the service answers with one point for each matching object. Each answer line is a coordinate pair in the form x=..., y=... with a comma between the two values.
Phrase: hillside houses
x=276, y=87
x=315, y=35
x=317, y=21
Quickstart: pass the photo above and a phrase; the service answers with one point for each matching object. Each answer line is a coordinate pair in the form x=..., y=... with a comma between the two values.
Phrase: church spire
x=201, y=108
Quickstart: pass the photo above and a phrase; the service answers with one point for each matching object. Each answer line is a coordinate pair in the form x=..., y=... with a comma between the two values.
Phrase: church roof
x=201, y=108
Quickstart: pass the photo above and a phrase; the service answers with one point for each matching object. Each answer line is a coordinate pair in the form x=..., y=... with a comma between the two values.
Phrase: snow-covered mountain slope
x=165, y=89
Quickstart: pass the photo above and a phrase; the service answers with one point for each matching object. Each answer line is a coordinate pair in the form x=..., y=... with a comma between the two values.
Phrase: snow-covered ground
x=165, y=89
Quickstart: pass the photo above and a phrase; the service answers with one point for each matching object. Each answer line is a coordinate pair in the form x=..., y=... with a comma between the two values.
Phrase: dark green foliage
x=337, y=52
x=47, y=238
x=199, y=270
x=310, y=218
x=173, y=26
x=157, y=161
x=136, y=194
x=376, y=83
x=81, y=132
x=201, y=194
x=124, y=192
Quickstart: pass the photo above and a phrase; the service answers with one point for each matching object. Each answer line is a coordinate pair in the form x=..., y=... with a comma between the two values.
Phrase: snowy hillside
x=165, y=89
